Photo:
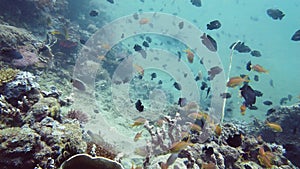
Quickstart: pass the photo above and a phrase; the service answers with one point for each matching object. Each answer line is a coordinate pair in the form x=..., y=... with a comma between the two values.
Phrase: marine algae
x=7, y=75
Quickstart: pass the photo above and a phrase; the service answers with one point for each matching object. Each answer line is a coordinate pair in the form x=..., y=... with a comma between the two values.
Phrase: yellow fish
x=190, y=55
x=138, y=122
x=178, y=146
x=258, y=68
x=195, y=127
x=138, y=136
x=139, y=69
x=55, y=32
x=198, y=115
x=237, y=81
x=218, y=130
x=243, y=109
x=274, y=126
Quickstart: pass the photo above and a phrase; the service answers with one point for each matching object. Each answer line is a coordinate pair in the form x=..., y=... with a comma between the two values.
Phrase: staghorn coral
x=7, y=75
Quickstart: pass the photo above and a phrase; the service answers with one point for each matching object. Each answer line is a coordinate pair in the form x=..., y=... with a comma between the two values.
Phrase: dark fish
x=110, y=1
x=160, y=82
x=256, y=78
x=253, y=108
x=258, y=93
x=82, y=41
x=179, y=56
x=137, y=48
x=209, y=42
x=203, y=85
x=196, y=3
x=267, y=102
x=180, y=25
x=296, y=36
x=275, y=14
x=148, y=39
x=177, y=86
x=290, y=97
x=213, y=25
x=271, y=83
x=214, y=71
x=139, y=106
x=94, y=13
x=153, y=75
x=201, y=61
x=182, y=102
x=207, y=92
x=197, y=78
x=78, y=84
x=225, y=95
x=240, y=47
x=145, y=44
x=283, y=100
x=248, y=94
x=255, y=53
x=270, y=111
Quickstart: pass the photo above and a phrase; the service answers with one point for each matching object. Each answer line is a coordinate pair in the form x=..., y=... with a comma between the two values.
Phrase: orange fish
x=274, y=126
x=258, y=68
x=138, y=136
x=144, y=21
x=265, y=157
x=218, y=130
x=178, y=146
x=208, y=166
x=198, y=115
x=139, y=69
x=190, y=55
x=163, y=165
x=243, y=109
x=195, y=127
x=138, y=122
x=236, y=81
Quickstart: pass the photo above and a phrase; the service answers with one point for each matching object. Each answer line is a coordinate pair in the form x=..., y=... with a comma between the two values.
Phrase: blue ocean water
x=246, y=21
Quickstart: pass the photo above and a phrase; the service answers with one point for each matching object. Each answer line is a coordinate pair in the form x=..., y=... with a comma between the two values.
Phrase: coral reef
x=287, y=117
x=78, y=115
x=7, y=75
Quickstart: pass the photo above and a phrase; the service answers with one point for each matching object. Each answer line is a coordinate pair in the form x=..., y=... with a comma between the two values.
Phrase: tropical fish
x=213, y=25
x=207, y=92
x=182, y=101
x=209, y=42
x=138, y=122
x=255, y=53
x=243, y=109
x=208, y=165
x=236, y=81
x=139, y=69
x=145, y=44
x=137, y=47
x=274, y=126
x=214, y=71
x=267, y=102
x=225, y=95
x=195, y=127
x=256, y=78
x=296, y=36
x=144, y=21
x=265, y=158
x=78, y=84
x=180, y=25
x=218, y=130
x=198, y=115
x=139, y=106
x=189, y=55
x=258, y=68
x=240, y=47
x=94, y=13
x=248, y=94
x=177, y=86
x=55, y=32
x=178, y=146
x=138, y=136
x=153, y=75
x=275, y=14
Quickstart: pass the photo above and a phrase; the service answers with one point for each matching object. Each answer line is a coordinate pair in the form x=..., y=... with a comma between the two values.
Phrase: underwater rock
x=287, y=117
x=80, y=161
x=24, y=85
